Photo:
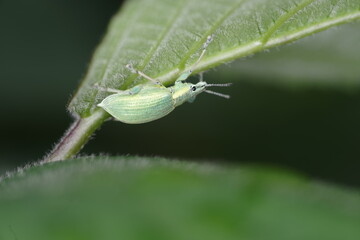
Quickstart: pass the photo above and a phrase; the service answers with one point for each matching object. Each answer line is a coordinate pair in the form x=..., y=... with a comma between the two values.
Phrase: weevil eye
x=193, y=88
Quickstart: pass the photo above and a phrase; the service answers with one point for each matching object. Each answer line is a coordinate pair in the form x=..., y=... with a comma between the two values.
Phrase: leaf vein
x=280, y=21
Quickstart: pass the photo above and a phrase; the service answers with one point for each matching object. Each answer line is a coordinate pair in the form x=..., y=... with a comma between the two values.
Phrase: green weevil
x=149, y=102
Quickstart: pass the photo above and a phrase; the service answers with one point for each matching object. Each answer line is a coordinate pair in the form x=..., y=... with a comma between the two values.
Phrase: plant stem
x=76, y=137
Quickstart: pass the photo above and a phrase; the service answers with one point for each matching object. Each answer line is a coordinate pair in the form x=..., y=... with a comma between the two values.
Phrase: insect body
x=145, y=103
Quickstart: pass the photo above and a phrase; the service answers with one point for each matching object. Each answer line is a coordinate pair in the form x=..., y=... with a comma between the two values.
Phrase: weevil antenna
x=217, y=94
x=219, y=85
x=133, y=70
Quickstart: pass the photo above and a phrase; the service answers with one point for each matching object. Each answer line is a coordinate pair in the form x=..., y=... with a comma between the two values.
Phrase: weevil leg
x=133, y=70
x=204, y=47
x=134, y=90
x=130, y=91
x=186, y=74
x=201, y=76
x=104, y=89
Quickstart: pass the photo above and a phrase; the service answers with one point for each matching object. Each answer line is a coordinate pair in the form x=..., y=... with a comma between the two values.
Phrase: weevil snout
x=201, y=84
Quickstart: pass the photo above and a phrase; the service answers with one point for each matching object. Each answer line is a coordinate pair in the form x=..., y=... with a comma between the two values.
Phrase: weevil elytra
x=148, y=102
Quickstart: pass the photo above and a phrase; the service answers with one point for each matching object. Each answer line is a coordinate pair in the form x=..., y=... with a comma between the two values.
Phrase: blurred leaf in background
x=154, y=198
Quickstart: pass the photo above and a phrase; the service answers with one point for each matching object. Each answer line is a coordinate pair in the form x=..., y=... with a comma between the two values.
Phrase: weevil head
x=201, y=86
x=183, y=92
x=197, y=88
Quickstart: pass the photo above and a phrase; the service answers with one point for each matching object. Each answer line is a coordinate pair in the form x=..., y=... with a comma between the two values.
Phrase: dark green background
x=45, y=47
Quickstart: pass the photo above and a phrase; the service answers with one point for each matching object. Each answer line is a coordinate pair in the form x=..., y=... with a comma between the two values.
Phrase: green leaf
x=140, y=198
x=162, y=37
x=331, y=58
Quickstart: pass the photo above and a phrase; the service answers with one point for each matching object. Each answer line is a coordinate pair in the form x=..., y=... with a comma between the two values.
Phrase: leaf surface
x=162, y=37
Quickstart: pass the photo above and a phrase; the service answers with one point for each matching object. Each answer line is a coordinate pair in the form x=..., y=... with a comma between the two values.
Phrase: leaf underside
x=329, y=59
x=162, y=37
x=154, y=198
